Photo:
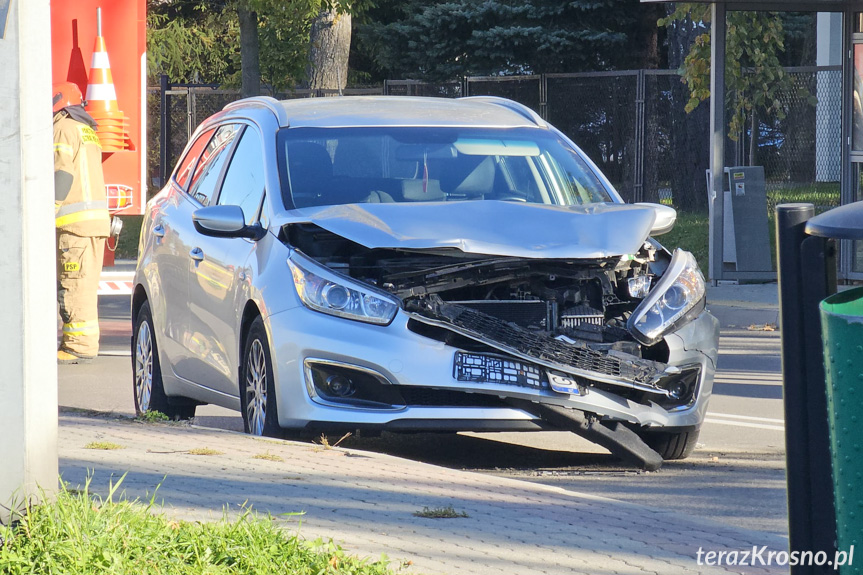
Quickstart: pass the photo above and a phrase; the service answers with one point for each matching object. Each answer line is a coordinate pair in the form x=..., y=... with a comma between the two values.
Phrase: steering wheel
x=510, y=198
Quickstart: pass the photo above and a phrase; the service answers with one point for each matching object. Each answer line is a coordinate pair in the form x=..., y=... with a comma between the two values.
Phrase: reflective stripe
x=99, y=60
x=65, y=148
x=88, y=215
x=101, y=92
x=83, y=207
x=81, y=328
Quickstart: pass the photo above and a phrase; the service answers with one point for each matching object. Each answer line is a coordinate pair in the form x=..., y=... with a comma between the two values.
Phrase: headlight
x=329, y=292
x=676, y=299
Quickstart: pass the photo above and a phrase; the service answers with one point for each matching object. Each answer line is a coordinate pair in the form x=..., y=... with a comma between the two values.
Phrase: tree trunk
x=249, y=52
x=649, y=35
x=328, y=54
x=753, y=140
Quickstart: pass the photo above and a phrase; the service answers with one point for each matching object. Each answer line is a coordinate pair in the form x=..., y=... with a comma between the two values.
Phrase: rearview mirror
x=666, y=216
x=225, y=222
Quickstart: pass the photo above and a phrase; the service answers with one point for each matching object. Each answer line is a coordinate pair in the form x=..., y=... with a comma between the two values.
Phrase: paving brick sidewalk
x=366, y=501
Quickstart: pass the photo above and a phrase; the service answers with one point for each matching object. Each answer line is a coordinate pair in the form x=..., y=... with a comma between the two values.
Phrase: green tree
x=205, y=40
x=754, y=75
x=446, y=39
x=191, y=45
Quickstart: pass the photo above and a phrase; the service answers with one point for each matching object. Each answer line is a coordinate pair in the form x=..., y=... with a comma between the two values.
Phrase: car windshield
x=332, y=166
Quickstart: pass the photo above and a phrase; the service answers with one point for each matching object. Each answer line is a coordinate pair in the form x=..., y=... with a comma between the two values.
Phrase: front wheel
x=147, y=374
x=672, y=445
x=257, y=385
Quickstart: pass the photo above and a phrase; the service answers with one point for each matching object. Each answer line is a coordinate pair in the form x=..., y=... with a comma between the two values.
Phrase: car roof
x=367, y=111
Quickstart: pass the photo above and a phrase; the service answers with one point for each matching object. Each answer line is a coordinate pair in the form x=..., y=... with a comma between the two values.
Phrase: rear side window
x=244, y=181
x=187, y=166
x=209, y=168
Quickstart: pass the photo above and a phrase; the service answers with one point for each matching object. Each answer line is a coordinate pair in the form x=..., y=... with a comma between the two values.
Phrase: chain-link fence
x=174, y=113
x=632, y=124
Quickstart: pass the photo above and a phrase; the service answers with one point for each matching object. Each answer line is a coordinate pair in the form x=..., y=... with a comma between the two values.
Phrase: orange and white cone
x=113, y=126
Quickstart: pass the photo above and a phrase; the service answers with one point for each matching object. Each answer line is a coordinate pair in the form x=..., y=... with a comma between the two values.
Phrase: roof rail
x=267, y=102
x=516, y=107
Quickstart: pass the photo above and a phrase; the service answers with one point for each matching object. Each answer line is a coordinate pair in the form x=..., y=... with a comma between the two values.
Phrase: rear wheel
x=257, y=385
x=672, y=445
x=147, y=374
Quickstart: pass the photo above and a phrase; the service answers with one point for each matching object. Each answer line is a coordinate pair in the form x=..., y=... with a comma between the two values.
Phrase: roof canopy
x=778, y=5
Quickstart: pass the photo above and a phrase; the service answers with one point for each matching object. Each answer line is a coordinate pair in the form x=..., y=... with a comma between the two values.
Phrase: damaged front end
x=565, y=326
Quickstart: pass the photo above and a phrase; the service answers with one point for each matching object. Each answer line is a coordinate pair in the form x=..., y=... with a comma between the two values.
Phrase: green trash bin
x=842, y=329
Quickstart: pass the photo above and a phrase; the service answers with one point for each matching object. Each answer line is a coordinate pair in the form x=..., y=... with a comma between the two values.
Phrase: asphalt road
x=736, y=474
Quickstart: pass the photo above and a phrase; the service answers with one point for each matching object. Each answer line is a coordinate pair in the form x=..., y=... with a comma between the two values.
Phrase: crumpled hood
x=498, y=228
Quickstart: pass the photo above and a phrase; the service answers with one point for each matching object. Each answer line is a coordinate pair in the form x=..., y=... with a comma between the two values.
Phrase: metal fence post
x=543, y=97
x=640, y=128
x=164, y=128
x=189, y=112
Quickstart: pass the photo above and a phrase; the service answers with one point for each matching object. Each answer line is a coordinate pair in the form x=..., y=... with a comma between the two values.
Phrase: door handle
x=197, y=254
x=159, y=231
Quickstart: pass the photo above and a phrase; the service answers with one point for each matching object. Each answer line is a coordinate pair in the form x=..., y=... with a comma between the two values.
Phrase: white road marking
x=744, y=424
x=747, y=417
x=116, y=352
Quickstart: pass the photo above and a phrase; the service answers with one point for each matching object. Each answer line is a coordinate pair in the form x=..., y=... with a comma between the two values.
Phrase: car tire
x=672, y=445
x=147, y=386
x=257, y=385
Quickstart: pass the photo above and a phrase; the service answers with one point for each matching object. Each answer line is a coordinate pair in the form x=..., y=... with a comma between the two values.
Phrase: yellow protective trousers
x=79, y=265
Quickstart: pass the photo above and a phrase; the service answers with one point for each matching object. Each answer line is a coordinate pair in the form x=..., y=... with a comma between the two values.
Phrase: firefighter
x=82, y=222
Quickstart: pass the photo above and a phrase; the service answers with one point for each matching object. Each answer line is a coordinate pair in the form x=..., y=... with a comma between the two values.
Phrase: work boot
x=64, y=357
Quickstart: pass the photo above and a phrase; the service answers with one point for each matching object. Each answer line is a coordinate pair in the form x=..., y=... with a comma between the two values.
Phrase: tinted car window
x=187, y=166
x=209, y=168
x=244, y=181
x=334, y=166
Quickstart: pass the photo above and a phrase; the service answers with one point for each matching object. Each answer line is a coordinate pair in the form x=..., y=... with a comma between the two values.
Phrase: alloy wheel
x=256, y=388
x=144, y=366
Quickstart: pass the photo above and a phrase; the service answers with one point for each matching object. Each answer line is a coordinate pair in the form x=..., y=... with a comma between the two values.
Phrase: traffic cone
x=113, y=125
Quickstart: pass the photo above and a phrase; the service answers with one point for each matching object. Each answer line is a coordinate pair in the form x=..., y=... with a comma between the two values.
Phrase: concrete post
x=28, y=323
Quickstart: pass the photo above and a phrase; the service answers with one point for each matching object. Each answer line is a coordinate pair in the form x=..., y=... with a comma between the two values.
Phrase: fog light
x=340, y=386
x=678, y=390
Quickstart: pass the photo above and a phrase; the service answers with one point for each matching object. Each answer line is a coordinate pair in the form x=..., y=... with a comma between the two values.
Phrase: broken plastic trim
x=543, y=349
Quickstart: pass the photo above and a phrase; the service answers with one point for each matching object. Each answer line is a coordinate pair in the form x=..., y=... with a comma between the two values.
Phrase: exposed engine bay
x=567, y=316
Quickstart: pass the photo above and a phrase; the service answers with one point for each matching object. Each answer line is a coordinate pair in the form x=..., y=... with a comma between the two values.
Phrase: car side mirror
x=225, y=222
x=666, y=216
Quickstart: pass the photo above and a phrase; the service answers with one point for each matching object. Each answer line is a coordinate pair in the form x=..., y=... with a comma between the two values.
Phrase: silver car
x=410, y=264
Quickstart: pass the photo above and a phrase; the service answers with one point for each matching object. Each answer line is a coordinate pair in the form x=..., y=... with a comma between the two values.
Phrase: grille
x=426, y=396
x=525, y=313
x=539, y=345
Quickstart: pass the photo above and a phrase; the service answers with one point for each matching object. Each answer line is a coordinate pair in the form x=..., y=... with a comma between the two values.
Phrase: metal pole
x=717, y=137
x=640, y=126
x=790, y=233
x=818, y=255
x=543, y=97
x=164, y=129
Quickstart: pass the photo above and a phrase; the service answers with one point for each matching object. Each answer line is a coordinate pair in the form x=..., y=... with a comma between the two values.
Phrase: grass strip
x=81, y=533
